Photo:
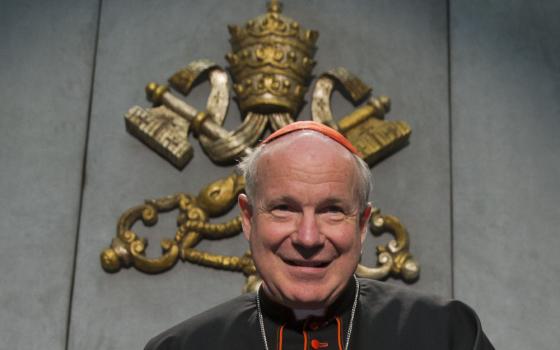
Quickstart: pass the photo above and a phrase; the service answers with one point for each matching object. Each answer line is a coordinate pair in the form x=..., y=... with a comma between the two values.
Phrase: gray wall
x=477, y=186
x=505, y=107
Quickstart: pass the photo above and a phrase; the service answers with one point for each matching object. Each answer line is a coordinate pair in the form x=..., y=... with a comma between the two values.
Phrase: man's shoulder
x=207, y=326
x=384, y=292
x=380, y=296
x=418, y=318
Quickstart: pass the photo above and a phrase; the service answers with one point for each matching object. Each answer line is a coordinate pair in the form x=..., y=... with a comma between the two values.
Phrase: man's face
x=304, y=225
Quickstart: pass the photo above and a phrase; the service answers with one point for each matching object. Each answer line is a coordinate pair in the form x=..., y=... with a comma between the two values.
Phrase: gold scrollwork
x=216, y=199
x=394, y=258
x=270, y=63
x=128, y=249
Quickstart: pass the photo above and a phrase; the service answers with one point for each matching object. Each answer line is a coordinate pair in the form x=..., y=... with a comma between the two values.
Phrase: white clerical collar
x=301, y=314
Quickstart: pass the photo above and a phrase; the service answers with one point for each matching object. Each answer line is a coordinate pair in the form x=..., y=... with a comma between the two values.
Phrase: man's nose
x=308, y=233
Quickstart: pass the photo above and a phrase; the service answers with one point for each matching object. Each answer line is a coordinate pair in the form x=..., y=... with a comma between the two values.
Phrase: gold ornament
x=216, y=199
x=271, y=63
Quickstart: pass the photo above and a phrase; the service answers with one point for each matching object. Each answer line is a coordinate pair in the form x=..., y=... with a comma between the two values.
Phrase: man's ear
x=246, y=214
x=364, y=221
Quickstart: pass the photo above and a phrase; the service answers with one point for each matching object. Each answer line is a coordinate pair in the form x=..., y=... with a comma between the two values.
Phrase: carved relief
x=271, y=62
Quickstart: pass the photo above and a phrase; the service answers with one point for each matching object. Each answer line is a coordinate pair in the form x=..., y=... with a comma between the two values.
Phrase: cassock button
x=314, y=325
x=316, y=344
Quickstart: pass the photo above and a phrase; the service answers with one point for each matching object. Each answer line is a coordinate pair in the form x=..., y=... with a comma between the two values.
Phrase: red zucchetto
x=315, y=126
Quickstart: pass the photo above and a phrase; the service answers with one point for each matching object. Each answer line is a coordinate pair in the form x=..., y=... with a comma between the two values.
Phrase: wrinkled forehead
x=305, y=145
x=306, y=164
x=314, y=126
x=305, y=156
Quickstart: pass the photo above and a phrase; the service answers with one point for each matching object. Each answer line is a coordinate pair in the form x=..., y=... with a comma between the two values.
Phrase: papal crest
x=270, y=64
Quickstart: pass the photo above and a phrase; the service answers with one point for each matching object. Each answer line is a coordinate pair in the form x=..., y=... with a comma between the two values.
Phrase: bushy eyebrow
x=346, y=207
x=329, y=201
x=332, y=201
x=282, y=200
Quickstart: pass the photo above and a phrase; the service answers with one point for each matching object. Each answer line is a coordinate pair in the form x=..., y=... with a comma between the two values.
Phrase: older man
x=305, y=214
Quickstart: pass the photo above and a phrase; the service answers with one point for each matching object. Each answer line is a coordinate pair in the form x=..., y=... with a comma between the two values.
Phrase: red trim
x=305, y=334
x=315, y=126
x=280, y=336
x=339, y=328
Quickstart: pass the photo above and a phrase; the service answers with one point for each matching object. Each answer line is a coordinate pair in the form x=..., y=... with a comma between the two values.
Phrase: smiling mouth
x=306, y=263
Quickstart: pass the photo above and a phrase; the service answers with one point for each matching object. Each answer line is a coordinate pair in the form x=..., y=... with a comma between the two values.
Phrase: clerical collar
x=342, y=304
x=302, y=314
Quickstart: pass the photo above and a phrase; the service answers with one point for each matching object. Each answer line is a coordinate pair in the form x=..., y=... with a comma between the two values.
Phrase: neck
x=301, y=314
x=308, y=312
x=285, y=311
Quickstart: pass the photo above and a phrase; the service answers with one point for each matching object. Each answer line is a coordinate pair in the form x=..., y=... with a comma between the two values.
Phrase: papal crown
x=271, y=62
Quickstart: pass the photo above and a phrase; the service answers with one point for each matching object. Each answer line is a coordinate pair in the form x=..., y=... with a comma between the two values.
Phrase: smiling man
x=305, y=214
x=303, y=218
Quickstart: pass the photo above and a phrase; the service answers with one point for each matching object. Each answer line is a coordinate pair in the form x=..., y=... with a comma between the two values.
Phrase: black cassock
x=387, y=317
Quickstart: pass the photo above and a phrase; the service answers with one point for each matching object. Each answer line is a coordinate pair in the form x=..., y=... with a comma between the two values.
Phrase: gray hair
x=248, y=167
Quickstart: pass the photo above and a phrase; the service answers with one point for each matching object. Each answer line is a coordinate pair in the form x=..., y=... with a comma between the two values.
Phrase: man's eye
x=333, y=209
x=333, y=212
x=282, y=210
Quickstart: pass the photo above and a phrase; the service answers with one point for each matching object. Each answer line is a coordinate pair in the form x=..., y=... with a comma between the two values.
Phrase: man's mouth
x=307, y=263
